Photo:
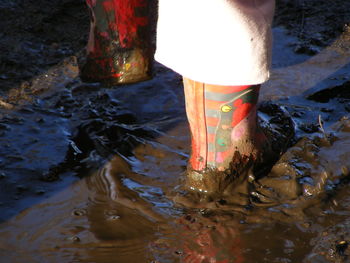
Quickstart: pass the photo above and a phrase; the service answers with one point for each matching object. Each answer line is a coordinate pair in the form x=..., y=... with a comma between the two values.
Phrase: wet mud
x=93, y=173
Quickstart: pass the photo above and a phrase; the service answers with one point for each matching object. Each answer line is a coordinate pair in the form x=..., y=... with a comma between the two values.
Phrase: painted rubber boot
x=226, y=139
x=119, y=50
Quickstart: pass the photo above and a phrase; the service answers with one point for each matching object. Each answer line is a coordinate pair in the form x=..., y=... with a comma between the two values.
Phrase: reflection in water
x=119, y=217
x=210, y=241
x=110, y=217
x=118, y=212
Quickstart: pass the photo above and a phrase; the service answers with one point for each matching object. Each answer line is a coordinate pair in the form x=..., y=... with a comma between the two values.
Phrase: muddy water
x=93, y=174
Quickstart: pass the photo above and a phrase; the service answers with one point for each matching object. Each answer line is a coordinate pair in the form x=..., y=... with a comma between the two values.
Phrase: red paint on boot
x=242, y=110
x=126, y=20
x=119, y=48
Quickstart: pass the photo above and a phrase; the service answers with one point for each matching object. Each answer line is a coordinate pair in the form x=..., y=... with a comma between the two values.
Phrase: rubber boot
x=225, y=135
x=119, y=50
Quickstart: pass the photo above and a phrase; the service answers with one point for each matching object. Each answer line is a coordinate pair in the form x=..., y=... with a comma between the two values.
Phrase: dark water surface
x=93, y=174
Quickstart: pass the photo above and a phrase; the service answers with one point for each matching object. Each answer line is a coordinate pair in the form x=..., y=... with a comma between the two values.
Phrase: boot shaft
x=120, y=46
x=219, y=118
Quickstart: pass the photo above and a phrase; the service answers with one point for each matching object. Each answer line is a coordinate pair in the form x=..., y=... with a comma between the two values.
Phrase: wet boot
x=119, y=50
x=226, y=139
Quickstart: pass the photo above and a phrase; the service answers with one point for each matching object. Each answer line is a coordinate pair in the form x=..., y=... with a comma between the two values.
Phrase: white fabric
x=223, y=42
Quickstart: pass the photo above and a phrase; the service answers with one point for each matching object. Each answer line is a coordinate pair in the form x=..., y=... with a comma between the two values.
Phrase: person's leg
x=119, y=49
x=223, y=124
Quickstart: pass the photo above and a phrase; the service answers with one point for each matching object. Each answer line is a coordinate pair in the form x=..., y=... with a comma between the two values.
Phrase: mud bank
x=90, y=173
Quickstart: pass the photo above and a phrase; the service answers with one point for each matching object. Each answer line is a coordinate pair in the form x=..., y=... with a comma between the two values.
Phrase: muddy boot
x=119, y=50
x=226, y=140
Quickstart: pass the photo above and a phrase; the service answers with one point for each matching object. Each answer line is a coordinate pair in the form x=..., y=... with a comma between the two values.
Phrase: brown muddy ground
x=90, y=173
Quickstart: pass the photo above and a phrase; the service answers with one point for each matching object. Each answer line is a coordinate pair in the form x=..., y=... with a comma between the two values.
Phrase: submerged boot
x=225, y=135
x=119, y=49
